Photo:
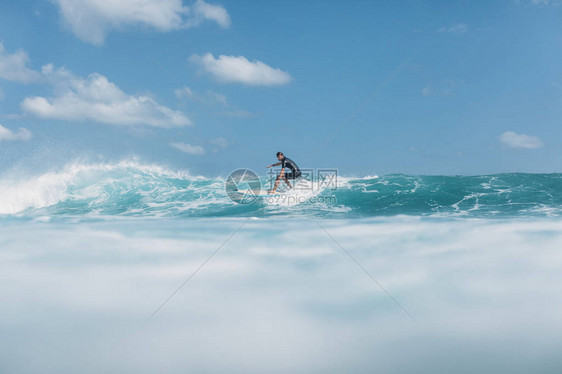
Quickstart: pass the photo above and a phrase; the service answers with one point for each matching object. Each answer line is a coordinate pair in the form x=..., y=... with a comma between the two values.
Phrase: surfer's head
x=280, y=156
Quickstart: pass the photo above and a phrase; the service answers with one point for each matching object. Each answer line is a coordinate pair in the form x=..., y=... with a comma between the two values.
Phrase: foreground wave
x=130, y=188
x=485, y=294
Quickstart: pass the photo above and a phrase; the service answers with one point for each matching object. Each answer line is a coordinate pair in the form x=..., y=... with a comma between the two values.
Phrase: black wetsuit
x=295, y=171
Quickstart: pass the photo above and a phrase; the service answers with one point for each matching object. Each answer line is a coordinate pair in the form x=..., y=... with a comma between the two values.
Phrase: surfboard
x=249, y=192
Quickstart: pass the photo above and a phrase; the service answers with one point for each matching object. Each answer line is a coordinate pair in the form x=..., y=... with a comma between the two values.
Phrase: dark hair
x=279, y=154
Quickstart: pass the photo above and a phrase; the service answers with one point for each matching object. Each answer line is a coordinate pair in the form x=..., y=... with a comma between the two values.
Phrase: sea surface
x=136, y=268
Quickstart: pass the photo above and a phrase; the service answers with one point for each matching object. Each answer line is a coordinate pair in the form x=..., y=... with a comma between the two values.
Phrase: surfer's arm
x=277, y=164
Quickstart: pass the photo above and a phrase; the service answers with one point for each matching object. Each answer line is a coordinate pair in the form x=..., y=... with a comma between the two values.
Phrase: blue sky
x=480, y=90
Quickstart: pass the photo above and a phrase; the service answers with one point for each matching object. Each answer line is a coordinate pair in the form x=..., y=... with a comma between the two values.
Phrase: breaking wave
x=129, y=188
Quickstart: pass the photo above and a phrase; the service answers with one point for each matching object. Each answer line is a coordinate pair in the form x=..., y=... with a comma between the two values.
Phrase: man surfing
x=285, y=162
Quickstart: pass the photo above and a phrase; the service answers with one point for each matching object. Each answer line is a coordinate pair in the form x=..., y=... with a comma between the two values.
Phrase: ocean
x=128, y=267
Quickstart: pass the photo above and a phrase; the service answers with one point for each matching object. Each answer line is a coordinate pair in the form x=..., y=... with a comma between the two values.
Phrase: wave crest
x=133, y=188
x=91, y=183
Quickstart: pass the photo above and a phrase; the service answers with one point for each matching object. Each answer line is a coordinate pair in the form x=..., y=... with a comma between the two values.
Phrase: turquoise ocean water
x=134, y=268
x=130, y=189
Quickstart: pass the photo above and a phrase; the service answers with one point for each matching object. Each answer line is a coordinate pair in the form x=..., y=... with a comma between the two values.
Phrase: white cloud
x=218, y=98
x=210, y=97
x=238, y=69
x=458, y=29
x=97, y=99
x=204, y=11
x=238, y=113
x=188, y=148
x=427, y=91
x=538, y=3
x=181, y=93
x=514, y=140
x=13, y=67
x=7, y=134
x=214, y=99
x=445, y=88
x=219, y=142
x=91, y=20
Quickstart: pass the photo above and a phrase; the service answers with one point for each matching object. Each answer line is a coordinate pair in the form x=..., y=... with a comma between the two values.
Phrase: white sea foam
x=36, y=192
x=132, y=188
x=483, y=293
x=19, y=192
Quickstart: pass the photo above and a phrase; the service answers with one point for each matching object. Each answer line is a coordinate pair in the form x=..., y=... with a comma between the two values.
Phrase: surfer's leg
x=287, y=177
x=276, y=184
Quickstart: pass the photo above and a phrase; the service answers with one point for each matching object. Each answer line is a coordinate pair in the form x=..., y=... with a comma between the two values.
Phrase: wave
x=130, y=188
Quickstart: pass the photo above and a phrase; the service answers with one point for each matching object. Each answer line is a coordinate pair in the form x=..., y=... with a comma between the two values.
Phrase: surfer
x=285, y=162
